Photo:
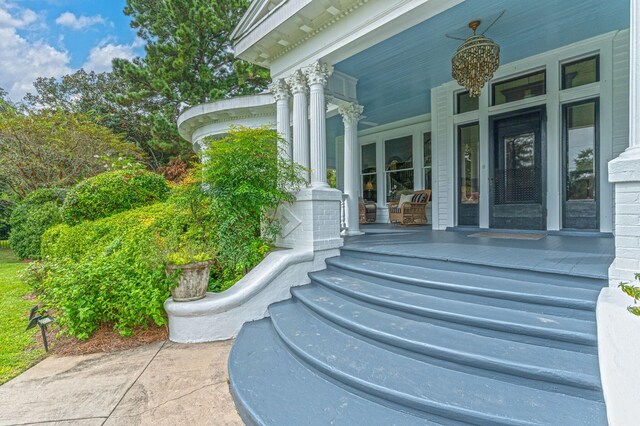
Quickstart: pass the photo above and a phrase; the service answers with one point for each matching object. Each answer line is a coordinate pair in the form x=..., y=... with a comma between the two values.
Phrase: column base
x=624, y=172
x=348, y=233
x=312, y=221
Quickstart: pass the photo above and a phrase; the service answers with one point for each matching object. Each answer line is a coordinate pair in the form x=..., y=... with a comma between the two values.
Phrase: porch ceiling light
x=475, y=61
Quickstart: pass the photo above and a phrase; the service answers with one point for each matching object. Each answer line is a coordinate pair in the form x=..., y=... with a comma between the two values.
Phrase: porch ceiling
x=395, y=76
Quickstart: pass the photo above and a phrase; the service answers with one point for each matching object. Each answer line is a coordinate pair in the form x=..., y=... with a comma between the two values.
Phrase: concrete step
x=271, y=387
x=516, y=322
x=534, y=296
x=489, y=267
x=422, y=386
x=543, y=367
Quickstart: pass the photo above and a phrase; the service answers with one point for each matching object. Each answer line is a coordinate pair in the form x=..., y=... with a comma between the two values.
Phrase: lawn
x=18, y=350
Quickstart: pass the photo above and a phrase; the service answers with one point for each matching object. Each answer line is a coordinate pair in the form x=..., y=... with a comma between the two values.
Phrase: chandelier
x=475, y=61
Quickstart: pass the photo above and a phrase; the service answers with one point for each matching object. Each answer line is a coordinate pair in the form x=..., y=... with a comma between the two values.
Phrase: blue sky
x=51, y=38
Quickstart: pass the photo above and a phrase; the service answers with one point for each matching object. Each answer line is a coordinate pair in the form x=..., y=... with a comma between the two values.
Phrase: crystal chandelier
x=475, y=61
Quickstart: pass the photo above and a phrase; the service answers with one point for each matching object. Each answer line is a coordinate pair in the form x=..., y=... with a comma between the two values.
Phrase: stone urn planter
x=193, y=280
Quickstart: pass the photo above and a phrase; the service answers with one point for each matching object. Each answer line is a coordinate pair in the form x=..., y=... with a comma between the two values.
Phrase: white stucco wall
x=619, y=353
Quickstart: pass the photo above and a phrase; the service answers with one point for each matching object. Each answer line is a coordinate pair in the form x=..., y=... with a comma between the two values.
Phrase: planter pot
x=193, y=281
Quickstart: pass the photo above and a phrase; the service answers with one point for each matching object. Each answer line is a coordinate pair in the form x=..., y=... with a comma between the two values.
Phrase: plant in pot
x=187, y=244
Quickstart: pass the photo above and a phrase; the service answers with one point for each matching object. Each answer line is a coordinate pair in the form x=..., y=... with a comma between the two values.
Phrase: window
x=578, y=73
x=369, y=181
x=519, y=88
x=580, y=207
x=398, y=154
x=469, y=161
x=465, y=103
x=427, y=161
x=580, y=146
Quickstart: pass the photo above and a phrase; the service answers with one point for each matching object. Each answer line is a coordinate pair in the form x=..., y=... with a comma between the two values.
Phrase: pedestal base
x=313, y=220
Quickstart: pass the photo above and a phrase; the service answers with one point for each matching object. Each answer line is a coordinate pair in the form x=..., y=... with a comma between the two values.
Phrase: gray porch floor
x=588, y=256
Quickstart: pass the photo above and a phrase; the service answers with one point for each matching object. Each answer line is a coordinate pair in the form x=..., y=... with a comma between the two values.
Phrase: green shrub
x=39, y=211
x=108, y=271
x=247, y=181
x=6, y=207
x=113, y=192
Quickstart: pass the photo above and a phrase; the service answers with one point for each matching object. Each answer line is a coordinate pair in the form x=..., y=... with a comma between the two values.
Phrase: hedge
x=113, y=192
x=39, y=211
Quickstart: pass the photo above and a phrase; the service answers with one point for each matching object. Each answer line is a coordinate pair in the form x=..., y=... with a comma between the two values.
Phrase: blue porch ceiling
x=395, y=77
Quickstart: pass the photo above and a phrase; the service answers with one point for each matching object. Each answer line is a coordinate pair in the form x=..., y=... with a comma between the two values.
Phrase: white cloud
x=100, y=57
x=25, y=60
x=68, y=19
x=24, y=18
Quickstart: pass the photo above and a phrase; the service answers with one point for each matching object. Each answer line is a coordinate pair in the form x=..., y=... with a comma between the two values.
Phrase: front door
x=517, y=172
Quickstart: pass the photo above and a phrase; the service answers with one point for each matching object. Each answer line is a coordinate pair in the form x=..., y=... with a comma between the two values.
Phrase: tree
x=94, y=95
x=189, y=60
x=53, y=149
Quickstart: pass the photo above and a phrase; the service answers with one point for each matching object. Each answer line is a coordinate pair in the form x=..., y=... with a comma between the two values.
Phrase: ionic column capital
x=280, y=90
x=318, y=73
x=351, y=113
x=297, y=82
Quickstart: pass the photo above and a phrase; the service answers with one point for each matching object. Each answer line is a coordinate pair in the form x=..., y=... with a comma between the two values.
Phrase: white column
x=317, y=75
x=298, y=85
x=624, y=172
x=351, y=114
x=281, y=94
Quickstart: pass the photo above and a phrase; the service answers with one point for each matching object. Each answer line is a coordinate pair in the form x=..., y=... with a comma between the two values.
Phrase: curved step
x=475, y=284
x=271, y=387
x=496, y=265
x=423, y=386
x=520, y=360
x=476, y=315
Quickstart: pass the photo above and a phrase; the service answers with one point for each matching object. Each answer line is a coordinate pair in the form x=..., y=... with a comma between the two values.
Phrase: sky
x=51, y=38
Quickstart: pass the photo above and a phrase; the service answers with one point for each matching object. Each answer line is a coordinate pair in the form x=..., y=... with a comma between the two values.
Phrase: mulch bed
x=103, y=340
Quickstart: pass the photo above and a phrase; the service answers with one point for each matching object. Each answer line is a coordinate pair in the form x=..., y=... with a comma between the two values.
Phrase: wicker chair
x=367, y=211
x=411, y=213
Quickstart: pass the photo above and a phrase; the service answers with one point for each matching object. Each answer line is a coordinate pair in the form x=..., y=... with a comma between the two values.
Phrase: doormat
x=507, y=236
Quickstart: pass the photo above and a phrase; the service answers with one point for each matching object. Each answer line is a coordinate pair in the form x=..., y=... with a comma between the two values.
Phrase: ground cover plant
x=18, y=349
x=633, y=292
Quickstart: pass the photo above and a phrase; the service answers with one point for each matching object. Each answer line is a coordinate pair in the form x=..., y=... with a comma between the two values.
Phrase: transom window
x=465, y=103
x=581, y=72
x=518, y=88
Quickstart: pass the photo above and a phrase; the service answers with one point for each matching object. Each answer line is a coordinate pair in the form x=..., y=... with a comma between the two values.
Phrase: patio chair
x=412, y=212
x=367, y=211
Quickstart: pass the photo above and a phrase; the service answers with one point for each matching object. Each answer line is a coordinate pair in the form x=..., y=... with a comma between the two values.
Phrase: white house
x=549, y=151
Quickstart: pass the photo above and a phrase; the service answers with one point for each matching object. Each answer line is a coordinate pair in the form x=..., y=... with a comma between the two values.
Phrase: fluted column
x=351, y=114
x=281, y=94
x=317, y=75
x=298, y=85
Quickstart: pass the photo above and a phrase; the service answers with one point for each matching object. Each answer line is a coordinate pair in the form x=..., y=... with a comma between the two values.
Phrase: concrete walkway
x=157, y=384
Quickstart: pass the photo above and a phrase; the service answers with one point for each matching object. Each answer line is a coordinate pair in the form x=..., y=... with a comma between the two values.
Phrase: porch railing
x=343, y=214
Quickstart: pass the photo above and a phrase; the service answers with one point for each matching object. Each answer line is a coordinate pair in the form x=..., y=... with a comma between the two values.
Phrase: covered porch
x=580, y=256
x=530, y=152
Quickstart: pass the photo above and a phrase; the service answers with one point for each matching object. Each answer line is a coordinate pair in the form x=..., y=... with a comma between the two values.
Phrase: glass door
x=517, y=172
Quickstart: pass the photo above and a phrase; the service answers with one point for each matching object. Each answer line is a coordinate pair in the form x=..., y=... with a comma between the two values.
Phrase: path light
x=475, y=61
x=42, y=321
